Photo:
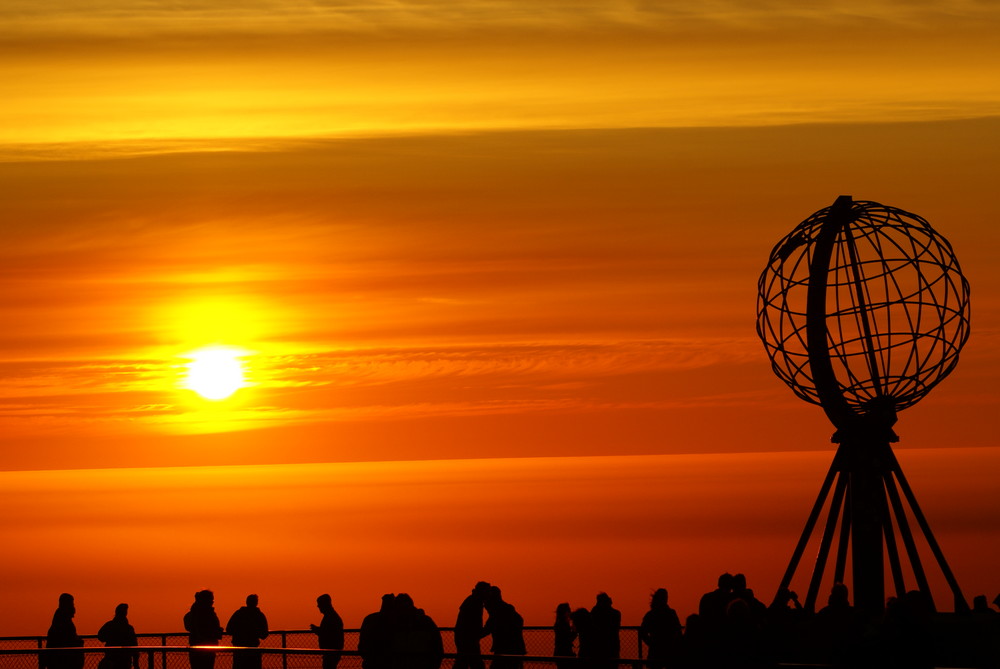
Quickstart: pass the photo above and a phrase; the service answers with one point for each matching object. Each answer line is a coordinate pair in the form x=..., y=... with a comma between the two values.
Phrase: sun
x=215, y=372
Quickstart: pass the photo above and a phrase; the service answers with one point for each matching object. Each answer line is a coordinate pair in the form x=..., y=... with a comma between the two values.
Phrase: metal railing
x=178, y=657
x=538, y=640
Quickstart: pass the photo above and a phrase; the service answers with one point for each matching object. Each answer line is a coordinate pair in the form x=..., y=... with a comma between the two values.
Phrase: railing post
x=284, y=646
x=41, y=661
x=163, y=653
x=150, y=659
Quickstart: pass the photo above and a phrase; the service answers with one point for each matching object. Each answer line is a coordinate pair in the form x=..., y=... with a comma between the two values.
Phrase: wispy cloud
x=115, y=16
x=276, y=70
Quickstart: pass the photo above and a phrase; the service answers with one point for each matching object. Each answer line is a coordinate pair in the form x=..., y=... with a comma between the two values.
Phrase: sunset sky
x=490, y=269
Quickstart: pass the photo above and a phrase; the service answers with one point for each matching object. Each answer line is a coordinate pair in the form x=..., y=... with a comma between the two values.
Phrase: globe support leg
x=960, y=604
x=845, y=533
x=824, y=546
x=891, y=549
x=800, y=547
x=907, y=535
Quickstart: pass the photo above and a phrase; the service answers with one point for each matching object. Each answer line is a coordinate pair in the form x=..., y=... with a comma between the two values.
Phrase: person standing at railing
x=607, y=624
x=585, y=638
x=506, y=626
x=469, y=629
x=62, y=634
x=330, y=631
x=414, y=639
x=564, y=635
x=661, y=631
x=204, y=629
x=375, y=635
x=248, y=627
x=119, y=632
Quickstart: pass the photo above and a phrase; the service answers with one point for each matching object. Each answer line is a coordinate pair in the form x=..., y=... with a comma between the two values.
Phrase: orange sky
x=447, y=232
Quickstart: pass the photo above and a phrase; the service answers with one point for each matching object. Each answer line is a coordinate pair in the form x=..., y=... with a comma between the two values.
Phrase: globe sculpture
x=862, y=309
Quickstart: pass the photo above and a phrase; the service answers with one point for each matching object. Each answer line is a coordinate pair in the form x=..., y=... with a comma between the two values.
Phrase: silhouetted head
x=493, y=595
x=121, y=611
x=66, y=605
x=563, y=611
x=738, y=611
x=252, y=601
x=659, y=599
x=726, y=582
x=580, y=618
x=404, y=603
x=739, y=582
x=324, y=603
x=692, y=625
x=481, y=588
x=206, y=597
x=917, y=602
x=603, y=599
x=838, y=595
x=387, y=602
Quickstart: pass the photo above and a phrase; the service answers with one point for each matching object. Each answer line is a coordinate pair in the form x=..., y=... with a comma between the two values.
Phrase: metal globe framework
x=897, y=307
x=862, y=309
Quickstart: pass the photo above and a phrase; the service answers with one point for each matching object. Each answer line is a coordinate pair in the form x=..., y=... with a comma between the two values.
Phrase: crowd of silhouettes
x=732, y=629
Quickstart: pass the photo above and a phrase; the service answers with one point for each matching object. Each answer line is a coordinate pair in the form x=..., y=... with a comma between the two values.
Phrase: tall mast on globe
x=863, y=309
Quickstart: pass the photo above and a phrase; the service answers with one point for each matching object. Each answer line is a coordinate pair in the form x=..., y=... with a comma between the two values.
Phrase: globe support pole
x=858, y=456
x=867, y=524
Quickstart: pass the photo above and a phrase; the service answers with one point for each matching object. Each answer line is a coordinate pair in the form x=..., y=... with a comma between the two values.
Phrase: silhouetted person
x=375, y=636
x=694, y=650
x=712, y=616
x=838, y=628
x=415, y=641
x=607, y=623
x=981, y=607
x=469, y=628
x=565, y=635
x=660, y=631
x=506, y=626
x=203, y=628
x=784, y=624
x=742, y=639
x=118, y=632
x=585, y=633
x=62, y=634
x=757, y=608
x=984, y=634
x=712, y=607
x=248, y=627
x=329, y=632
x=907, y=633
